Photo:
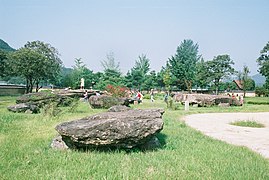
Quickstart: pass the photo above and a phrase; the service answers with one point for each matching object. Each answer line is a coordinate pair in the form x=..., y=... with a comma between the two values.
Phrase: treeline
x=38, y=63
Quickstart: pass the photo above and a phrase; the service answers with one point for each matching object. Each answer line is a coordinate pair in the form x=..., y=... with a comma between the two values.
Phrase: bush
x=51, y=109
x=117, y=91
x=261, y=91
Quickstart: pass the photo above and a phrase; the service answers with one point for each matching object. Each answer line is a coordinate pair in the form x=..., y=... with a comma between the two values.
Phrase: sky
x=90, y=29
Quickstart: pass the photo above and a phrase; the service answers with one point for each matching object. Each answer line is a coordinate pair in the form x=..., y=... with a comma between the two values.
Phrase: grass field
x=25, y=151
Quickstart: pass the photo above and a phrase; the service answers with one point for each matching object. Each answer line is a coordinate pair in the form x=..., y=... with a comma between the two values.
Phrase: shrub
x=261, y=91
x=51, y=109
x=117, y=91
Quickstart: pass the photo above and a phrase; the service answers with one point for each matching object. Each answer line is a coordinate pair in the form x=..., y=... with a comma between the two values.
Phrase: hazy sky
x=89, y=29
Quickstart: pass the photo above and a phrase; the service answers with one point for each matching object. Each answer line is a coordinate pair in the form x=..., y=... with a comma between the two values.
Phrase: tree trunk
x=31, y=85
x=189, y=85
x=217, y=86
x=27, y=86
x=37, y=87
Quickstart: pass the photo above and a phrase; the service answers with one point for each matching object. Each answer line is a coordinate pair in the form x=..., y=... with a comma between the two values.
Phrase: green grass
x=25, y=151
x=248, y=123
x=257, y=100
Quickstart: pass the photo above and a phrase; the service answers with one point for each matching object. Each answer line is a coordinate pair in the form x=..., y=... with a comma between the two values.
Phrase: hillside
x=259, y=79
x=4, y=46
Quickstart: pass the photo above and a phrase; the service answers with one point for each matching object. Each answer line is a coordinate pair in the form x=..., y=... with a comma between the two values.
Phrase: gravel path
x=216, y=125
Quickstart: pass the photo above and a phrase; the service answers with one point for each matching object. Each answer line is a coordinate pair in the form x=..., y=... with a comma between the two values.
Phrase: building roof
x=238, y=84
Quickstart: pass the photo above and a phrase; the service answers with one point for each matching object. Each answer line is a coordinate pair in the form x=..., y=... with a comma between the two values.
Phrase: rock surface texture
x=118, y=108
x=127, y=129
x=105, y=101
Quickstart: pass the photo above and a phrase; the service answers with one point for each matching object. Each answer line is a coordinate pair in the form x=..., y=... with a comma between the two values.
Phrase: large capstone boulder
x=105, y=101
x=127, y=129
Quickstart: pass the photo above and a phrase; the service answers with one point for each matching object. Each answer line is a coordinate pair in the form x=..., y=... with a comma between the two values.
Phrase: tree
x=219, y=68
x=167, y=79
x=183, y=63
x=246, y=81
x=112, y=74
x=110, y=63
x=142, y=64
x=202, y=79
x=3, y=58
x=29, y=64
x=137, y=77
x=150, y=81
x=36, y=61
x=53, y=63
x=263, y=62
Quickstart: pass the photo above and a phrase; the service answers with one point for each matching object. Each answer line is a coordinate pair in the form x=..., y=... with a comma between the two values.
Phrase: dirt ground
x=216, y=125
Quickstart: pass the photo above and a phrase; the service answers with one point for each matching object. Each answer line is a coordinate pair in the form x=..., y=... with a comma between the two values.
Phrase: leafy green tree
x=219, y=68
x=183, y=64
x=202, y=79
x=64, y=79
x=142, y=64
x=110, y=63
x=150, y=81
x=167, y=79
x=159, y=78
x=80, y=71
x=263, y=62
x=137, y=77
x=3, y=59
x=246, y=81
x=29, y=64
x=51, y=70
x=36, y=61
x=111, y=75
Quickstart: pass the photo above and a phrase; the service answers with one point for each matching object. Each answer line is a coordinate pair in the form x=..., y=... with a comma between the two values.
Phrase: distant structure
x=238, y=84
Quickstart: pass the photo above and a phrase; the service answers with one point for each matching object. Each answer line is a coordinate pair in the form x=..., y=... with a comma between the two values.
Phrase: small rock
x=58, y=144
x=224, y=105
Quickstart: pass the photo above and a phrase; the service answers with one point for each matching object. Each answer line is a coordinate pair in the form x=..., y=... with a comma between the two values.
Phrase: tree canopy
x=263, y=62
x=219, y=68
x=183, y=64
x=36, y=62
x=3, y=58
x=138, y=76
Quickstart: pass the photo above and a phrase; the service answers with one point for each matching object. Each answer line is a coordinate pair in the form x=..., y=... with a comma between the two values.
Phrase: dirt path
x=216, y=125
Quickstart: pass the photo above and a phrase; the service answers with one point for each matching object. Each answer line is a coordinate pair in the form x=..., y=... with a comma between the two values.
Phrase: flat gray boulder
x=105, y=101
x=127, y=129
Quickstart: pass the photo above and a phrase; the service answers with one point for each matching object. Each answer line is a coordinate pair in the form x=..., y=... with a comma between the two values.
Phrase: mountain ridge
x=5, y=46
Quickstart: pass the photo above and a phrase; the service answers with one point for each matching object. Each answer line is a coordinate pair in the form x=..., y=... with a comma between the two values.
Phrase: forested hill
x=4, y=46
